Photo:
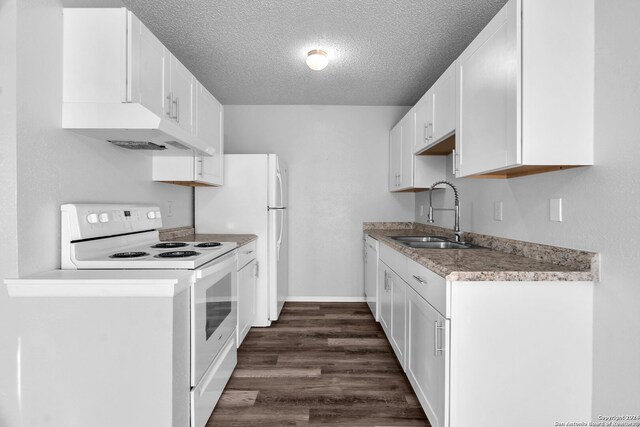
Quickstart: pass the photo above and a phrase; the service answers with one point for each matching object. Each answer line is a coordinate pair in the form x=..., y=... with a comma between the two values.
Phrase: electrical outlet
x=555, y=210
x=497, y=211
x=170, y=208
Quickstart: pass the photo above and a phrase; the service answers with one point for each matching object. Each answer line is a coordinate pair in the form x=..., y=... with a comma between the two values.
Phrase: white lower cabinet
x=384, y=300
x=427, y=358
x=398, y=320
x=247, y=288
x=489, y=353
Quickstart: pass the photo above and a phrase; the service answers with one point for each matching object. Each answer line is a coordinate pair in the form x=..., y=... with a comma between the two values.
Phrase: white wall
x=43, y=166
x=600, y=209
x=337, y=159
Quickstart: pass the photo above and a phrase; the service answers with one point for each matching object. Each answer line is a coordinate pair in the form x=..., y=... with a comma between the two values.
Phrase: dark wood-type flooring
x=320, y=364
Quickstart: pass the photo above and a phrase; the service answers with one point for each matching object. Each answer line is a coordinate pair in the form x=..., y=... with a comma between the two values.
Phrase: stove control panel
x=87, y=221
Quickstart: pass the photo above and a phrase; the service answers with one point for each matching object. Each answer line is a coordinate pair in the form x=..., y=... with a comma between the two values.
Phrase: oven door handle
x=217, y=265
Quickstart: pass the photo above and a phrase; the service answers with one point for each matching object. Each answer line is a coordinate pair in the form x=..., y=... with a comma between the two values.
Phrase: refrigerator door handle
x=279, y=242
x=276, y=208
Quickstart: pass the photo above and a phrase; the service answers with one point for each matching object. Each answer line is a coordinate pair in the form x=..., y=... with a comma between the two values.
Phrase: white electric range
x=108, y=237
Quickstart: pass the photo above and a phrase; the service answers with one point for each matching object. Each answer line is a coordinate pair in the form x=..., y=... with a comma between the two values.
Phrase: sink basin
x=437, y=245
x=430, y=242
x=419, y=239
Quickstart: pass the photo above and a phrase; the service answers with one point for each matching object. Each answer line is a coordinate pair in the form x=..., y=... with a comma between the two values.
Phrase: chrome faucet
x=456, y=208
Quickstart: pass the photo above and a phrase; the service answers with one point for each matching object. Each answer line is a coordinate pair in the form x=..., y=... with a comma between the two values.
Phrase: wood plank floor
x=324, y=364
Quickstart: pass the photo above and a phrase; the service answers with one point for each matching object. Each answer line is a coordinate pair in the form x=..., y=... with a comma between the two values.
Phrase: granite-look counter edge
x=240, y=239
x=499, y=260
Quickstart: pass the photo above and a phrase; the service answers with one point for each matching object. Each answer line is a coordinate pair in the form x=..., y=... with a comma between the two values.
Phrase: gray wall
x=43, y=166
x=600, y=208
x=337, y=158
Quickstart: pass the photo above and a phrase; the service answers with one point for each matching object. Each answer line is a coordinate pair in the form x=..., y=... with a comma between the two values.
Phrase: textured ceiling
x=252, y=52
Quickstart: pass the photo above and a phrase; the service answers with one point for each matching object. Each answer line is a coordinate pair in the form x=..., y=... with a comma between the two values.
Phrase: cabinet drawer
x=206, y=394
x=394, y=259
x=246, y=254
x=429, y=286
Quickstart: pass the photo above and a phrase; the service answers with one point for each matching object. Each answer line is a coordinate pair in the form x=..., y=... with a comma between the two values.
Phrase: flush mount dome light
x=317, y=59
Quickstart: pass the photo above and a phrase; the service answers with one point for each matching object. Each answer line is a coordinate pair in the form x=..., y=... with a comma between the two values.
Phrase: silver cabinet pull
x=247, y=252
x=454, y=160
x=170, y=110
x=201, y=164
x=420, y=280
x=256, y=270
x=426, y=136
x=430, y=130
x=174, y=103
x=436, y=328
x=178, y=110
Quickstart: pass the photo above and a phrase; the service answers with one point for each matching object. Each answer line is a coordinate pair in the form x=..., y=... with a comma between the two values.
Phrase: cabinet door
x=385, y=297
x=208, y=128
x=148, y=74
x=371, y=278
x=182, y=91
x=406, y=156
x=424, y=122
x=444, y=106
x=427, y=355
x=395, y=152
x=398, y=295
x=247, y=280
x=488, y=135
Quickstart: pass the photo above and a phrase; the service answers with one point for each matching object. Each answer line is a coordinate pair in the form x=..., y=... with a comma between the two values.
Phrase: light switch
x=497, y=211
x=555, y=210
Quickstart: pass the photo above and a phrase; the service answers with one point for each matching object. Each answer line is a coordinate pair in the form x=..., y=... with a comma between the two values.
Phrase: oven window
x=218, y=304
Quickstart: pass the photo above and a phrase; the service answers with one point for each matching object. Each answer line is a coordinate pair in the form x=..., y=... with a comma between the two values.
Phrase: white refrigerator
x=253, y=200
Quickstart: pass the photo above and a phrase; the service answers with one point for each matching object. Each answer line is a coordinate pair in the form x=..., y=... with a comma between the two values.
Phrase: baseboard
x=326, y=299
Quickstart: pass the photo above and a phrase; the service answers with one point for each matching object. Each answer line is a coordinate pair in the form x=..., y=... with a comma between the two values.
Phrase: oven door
x=214, y=296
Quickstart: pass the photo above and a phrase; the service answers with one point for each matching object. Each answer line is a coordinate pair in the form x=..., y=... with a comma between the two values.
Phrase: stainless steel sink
x=419, y=239
x=431, y=242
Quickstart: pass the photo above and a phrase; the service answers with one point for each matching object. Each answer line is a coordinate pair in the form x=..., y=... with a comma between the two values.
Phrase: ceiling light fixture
x=317, y=59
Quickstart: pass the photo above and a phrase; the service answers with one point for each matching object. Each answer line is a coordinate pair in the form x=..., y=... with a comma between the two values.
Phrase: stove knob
x=158, y=214
x=92, y=218
x=104, y=217
x=151, y=215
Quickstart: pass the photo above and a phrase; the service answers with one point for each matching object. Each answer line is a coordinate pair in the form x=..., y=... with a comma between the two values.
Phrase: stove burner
x=128, y=255
x=177, y=254
x=208, y=245
x=169, y=245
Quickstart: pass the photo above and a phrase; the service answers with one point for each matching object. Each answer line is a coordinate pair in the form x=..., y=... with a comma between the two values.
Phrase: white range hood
x=132, y=123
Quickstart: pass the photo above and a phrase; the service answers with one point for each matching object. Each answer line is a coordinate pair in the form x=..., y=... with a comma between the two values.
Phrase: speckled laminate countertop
x=187, y=234
x=498, y=260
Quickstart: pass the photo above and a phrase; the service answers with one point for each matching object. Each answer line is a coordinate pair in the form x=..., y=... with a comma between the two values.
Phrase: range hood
x=129, y=125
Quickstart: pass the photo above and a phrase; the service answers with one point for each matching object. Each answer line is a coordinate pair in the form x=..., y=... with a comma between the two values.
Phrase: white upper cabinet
x=149, y=64
x=181, y=94
x=436, y=112
x=121, y=84
x=408, y=172
x=525, y=91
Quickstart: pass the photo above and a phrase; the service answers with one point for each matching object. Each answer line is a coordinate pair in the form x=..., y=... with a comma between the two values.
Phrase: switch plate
x=555, y=210
x=497, y=211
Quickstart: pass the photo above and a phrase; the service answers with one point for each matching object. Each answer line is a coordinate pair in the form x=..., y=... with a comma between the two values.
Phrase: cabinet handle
x=247, y=252
x=426, y=136
x=436, y=328
x=256, y=270
x=174, y=102
x=201, y=164
x=454, y=159
x=430, y=130
x=420, y=280
x=178, y=110
x=170, y=99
